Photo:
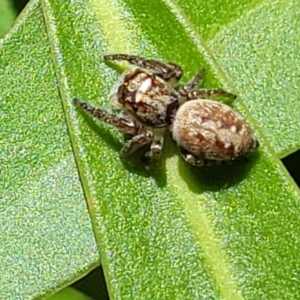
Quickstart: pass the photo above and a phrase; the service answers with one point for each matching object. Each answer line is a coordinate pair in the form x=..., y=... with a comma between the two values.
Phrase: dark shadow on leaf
x=135, y=163
x=93, y=285
x=103, y=132
x=199, y=180
x=215, y=178
x=292, y=163
x=19, y=5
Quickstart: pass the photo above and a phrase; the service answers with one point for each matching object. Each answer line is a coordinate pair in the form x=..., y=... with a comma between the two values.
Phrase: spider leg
x=196, y=80
x=156, y=145
x=198, y=161
x=137, y=142
x=123, y=123
x=190, y=158
x=208, y=94
x=170, y=72
x=188, y=92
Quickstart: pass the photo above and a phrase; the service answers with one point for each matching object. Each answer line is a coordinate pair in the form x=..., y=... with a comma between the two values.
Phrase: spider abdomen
x=212, y=130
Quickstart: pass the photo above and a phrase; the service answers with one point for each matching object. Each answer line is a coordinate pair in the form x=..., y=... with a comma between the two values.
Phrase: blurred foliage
x=7, y=16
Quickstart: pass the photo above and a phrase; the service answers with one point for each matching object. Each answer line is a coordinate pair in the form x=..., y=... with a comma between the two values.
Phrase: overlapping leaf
x=176, y=232
x=45, y=231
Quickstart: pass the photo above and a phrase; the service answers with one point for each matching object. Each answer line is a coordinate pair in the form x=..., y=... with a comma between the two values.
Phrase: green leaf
x=178, y=232
x=45, y=230
x=7, y=16
x=69, y=294
x=256, y=46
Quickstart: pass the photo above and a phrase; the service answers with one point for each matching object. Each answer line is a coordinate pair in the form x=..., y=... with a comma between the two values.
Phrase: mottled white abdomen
x=212, y=130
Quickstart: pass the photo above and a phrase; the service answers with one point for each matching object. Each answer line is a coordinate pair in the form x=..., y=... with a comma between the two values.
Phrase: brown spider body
x=146, y=97
x=210, y=130
x=206, y=131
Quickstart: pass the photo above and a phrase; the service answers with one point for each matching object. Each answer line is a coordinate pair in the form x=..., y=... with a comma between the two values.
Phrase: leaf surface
x=176, y=232
x=180, y=232
x=256, y=45
x=45, y=230
x=69, y=294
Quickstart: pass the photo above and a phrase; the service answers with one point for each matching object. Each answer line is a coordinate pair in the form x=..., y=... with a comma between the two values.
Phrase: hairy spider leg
x=209, y=94
x=192, y=160
x=188, y=92
x=201, y=162
x=137, y=142
x=157, y=144
x=124, y=124
x=188, y=87
x=196, y=80
x=169, y=72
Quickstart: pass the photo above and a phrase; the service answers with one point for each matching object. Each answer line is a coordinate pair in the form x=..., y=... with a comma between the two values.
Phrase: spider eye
x=133, y=86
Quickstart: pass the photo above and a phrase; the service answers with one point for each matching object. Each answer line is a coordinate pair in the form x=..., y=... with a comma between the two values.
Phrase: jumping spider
x=206, y=131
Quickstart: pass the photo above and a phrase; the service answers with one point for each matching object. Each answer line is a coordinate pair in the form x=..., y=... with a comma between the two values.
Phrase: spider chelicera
x=206, y=131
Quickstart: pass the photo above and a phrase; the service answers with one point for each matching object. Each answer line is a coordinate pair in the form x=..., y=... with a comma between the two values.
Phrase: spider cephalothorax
x=205, y=130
